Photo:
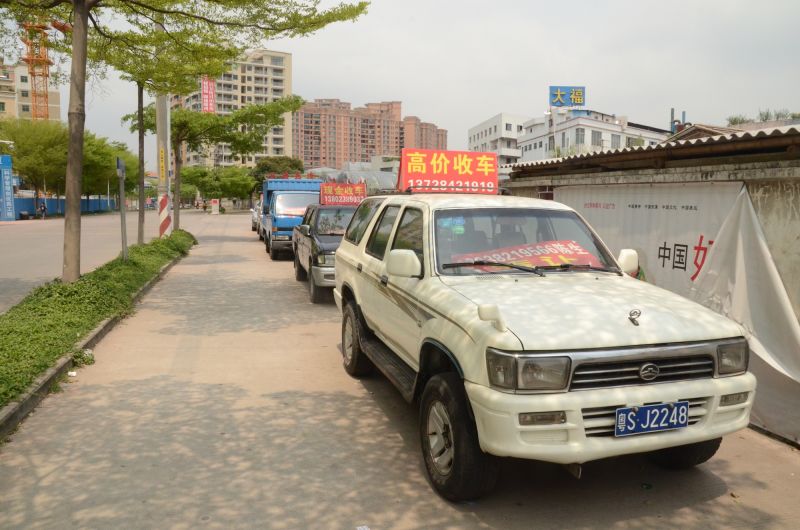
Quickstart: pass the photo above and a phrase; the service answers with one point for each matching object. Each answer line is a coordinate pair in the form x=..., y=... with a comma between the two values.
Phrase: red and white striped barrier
x=164, y=217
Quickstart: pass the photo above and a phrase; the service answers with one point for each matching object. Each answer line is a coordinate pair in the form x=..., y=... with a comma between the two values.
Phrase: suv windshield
x=294, y=203
x=521, y=236
x=333, y=221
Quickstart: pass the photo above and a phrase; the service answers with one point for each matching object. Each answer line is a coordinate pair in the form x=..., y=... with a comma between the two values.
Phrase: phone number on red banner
x=445, y=185
x=343, y=199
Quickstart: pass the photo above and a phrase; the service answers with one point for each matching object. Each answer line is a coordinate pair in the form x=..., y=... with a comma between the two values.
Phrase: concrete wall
x=778, y=207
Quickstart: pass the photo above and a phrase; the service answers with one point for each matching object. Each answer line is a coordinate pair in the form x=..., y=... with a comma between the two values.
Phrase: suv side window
x=360, y=221
x=379, y=238
x=409, y=232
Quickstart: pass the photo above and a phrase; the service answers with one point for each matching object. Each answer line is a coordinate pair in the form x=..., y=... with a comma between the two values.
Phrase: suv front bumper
x=574, y=442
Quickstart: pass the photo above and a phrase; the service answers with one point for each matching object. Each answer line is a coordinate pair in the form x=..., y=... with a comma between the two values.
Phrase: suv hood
x=580, y=310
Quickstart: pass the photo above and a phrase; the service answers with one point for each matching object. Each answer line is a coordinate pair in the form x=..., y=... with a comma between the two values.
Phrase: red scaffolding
x=38, y=62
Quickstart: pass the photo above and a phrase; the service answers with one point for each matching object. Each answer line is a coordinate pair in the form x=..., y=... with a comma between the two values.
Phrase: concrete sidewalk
x=222, y=403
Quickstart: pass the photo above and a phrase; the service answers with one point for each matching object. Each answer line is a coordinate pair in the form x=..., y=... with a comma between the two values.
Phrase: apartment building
x=568, y=131
x=259, y=77
x=15, y=93
x=498, y=134
x=330, y=133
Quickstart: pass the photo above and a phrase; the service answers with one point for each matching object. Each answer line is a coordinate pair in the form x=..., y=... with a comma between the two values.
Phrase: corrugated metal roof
x=666, y=146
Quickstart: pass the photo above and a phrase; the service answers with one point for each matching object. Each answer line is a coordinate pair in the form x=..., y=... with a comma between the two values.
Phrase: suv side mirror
x=403, y=263
x=304, y=229
x=629, y=261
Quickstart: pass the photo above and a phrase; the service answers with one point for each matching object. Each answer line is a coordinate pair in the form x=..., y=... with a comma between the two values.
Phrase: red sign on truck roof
x=334, y=194
x=428, y=170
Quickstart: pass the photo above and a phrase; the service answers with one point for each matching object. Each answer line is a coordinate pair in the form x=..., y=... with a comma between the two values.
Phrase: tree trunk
x=140, y=126
x=176, y=187
x=76, y=117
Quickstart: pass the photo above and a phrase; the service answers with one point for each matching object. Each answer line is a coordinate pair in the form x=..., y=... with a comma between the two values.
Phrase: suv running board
x=393, y=367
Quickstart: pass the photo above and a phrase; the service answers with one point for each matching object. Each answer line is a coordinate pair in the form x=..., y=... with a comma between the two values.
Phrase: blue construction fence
x=56, y=206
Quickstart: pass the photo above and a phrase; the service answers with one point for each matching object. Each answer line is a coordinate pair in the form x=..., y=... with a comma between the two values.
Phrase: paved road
x=222, y=403
x=32, y=251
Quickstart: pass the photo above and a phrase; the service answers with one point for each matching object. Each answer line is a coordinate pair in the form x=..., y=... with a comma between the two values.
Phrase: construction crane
x=36, y=57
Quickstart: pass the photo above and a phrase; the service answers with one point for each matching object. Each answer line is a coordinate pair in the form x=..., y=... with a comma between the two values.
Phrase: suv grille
x=602, y=375
x=599, y=421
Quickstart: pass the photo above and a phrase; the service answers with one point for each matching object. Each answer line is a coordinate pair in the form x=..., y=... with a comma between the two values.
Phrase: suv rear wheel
x=685, y=456
x=356, y=363
x=457, y=467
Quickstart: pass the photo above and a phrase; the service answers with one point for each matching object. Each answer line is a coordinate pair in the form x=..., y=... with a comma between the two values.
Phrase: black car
x=314, y=242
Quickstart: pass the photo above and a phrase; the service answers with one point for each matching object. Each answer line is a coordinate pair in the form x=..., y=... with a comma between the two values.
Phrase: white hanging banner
x=704, y=241
x=671, y=226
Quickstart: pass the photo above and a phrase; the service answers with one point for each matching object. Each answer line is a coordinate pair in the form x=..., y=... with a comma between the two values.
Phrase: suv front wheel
x=457, y=467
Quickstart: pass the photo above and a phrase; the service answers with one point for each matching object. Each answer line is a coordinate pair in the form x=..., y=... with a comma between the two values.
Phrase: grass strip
x=54, y=317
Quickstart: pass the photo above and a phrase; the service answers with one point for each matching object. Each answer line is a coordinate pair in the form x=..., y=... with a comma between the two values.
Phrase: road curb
x=12, y=414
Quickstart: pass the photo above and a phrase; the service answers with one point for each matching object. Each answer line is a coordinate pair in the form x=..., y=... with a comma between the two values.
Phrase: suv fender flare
x=441, y=347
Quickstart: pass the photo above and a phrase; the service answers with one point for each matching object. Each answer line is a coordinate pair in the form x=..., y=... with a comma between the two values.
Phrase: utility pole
x=123, y=227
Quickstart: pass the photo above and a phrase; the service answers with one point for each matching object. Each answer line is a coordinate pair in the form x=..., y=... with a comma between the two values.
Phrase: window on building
x=551, y=143
x=276, y=61
x=24, y=93
x=2, y=106
x=495, y=128
x=597, y=139
x=508, y=144
x=563, y=140
x=580, y=136
x=615, y=141
x=26, y=108
x=508, y=126
x=23, y=79
x=519, y=128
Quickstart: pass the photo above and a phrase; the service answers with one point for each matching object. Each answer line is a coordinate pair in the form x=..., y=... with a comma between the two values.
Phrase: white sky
x=458, y=62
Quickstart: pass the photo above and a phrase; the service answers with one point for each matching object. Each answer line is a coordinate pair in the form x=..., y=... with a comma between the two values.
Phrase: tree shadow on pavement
x=227, y=304
x=162, y=452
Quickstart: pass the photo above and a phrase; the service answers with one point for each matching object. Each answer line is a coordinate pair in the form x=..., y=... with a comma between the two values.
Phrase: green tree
x=235, y=182
x=243, y=130
x=765, y=115
x=156, y=65
x=240, y=22
x=275, y=164
x=39, y=151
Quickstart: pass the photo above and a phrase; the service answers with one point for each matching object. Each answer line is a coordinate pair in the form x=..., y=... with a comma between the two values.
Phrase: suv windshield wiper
x=482, y=263
x=581, y=267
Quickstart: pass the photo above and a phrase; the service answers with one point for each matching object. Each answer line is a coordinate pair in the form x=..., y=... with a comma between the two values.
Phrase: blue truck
x=285, y=202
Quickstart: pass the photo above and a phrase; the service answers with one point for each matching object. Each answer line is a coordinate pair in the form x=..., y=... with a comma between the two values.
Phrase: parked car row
x=511, y=326
x=291, y=223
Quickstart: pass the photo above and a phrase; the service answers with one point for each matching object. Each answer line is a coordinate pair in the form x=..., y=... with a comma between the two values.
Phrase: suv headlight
x=732, y=357
x=527, y=372
x=326, y=259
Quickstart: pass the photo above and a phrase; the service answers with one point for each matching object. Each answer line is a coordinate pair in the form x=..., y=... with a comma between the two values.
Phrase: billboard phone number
x=343, y=199
x=452, y=185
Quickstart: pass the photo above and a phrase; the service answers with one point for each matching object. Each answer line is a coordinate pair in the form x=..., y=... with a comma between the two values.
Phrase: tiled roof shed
x=738, y=148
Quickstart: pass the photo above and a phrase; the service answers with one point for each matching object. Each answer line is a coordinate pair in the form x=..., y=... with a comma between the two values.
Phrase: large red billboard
x=429, y=170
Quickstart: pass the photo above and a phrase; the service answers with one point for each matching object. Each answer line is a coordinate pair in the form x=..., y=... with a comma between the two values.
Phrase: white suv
x=519, y=335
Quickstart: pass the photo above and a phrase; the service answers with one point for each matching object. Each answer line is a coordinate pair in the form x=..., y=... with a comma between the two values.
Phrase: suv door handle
x=359, y=267
x=385, y=280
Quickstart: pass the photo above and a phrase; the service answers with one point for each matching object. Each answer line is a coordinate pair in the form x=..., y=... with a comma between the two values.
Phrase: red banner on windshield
x=428, y=170
x=532, y=254
x=333, y=194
